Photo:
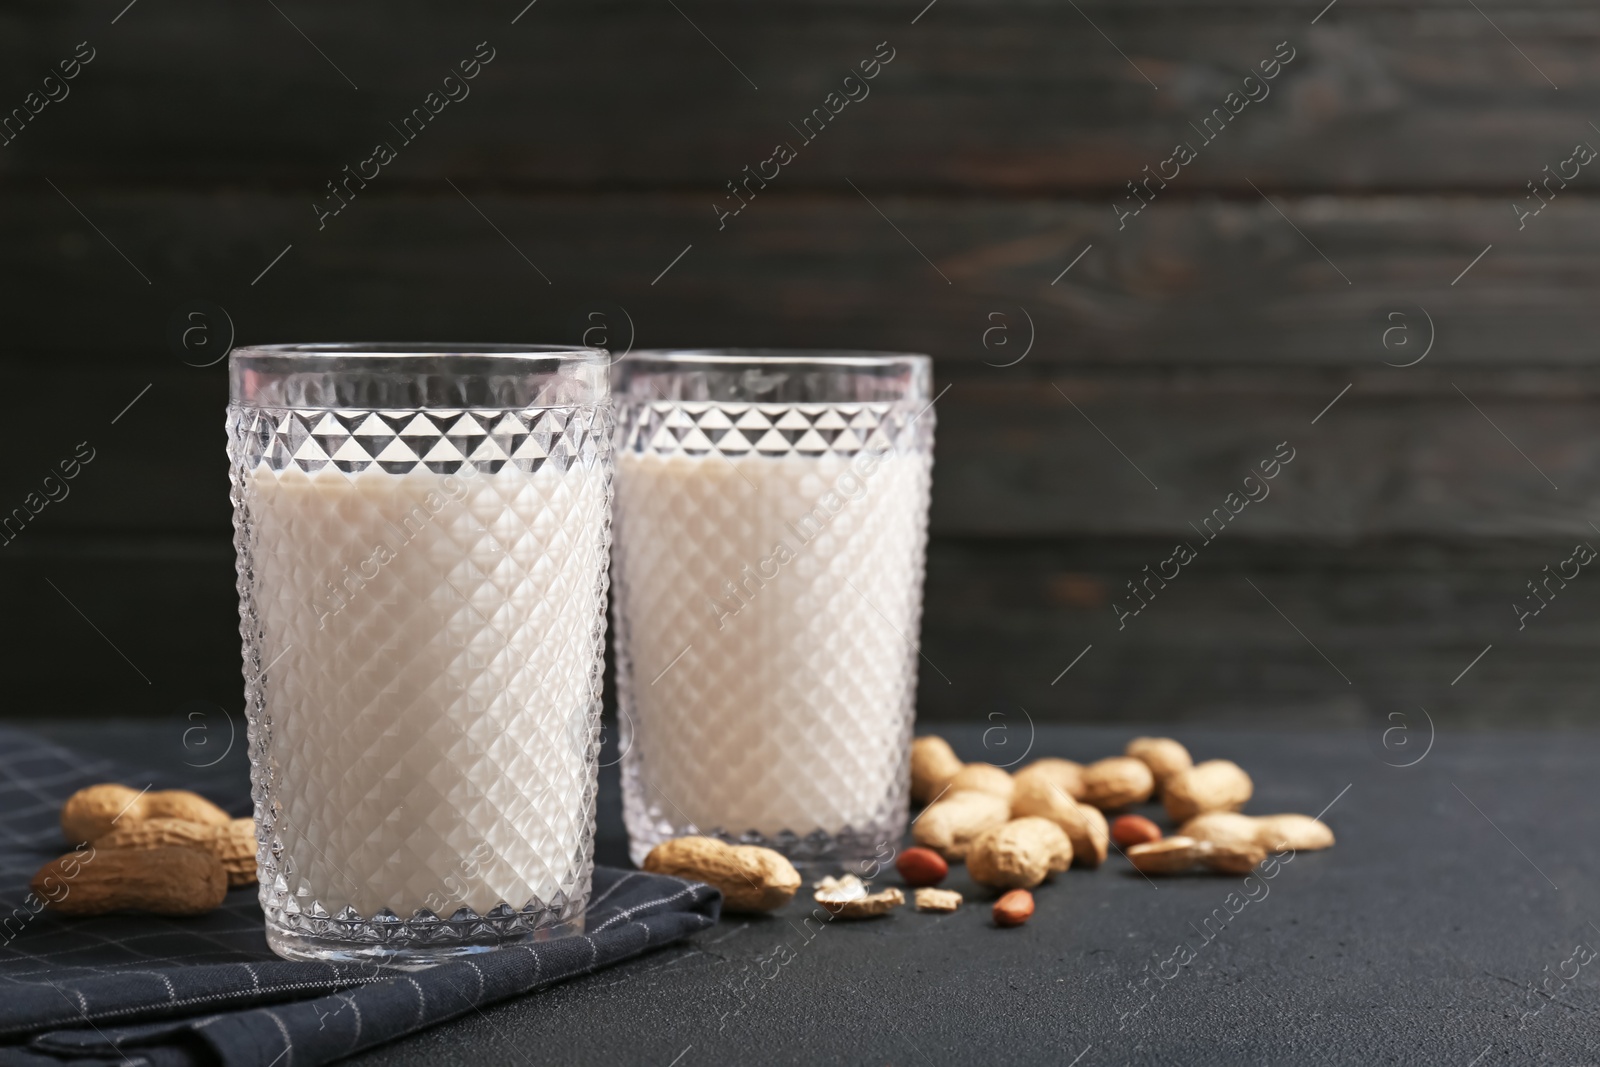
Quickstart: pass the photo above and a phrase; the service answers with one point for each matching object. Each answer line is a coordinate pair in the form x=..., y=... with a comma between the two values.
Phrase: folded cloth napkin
x=146, y=990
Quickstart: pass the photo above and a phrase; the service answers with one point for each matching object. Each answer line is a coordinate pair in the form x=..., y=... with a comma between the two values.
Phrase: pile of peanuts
x=170, y=853
x=1014, y=831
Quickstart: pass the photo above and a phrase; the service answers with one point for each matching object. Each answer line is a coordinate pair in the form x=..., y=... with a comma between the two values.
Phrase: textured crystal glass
x=771, y=522
x=422, y=545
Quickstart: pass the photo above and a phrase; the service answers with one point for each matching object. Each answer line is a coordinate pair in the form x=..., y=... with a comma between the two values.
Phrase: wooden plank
x=1209, y=283
x=1195, y=348
x=1431, y=454
x=1399, y=623
x=1019, y=96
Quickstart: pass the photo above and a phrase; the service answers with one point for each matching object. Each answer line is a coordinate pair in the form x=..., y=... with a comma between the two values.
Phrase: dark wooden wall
x=937, y=214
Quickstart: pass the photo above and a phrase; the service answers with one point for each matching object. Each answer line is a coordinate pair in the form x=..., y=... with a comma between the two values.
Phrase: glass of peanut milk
x=771, y=518
x=422, y=543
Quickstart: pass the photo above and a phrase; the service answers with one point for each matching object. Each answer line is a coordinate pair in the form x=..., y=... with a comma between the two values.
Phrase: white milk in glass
x=771, y=605
x=427, y=643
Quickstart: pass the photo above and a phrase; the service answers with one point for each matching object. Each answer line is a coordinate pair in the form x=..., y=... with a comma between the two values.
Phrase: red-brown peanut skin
x=1129, y=830
x=1014, y=908
x=921, y=867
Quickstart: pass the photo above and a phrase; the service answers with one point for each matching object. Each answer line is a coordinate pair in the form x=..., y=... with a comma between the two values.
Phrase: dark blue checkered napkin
x=144, y=990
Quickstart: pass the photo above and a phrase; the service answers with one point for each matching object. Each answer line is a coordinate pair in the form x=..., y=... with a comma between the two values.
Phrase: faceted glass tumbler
x=771, y=529
x=422, y=543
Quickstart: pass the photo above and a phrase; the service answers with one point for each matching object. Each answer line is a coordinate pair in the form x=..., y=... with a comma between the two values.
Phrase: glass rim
x=420, y=350
x=771, y=357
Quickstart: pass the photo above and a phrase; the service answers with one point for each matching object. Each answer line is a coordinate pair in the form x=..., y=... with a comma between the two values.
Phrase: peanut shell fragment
x=1175, y=855
x=847, y=898
x=943, y=900
x=1170, y=855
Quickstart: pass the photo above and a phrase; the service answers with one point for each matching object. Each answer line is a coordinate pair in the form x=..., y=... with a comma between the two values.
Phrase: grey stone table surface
x=1452, y=924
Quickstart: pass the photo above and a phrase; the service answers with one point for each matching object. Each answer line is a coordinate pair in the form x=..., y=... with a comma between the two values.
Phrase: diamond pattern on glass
x=769, y=586
x=422, y=606
x=701, y=428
